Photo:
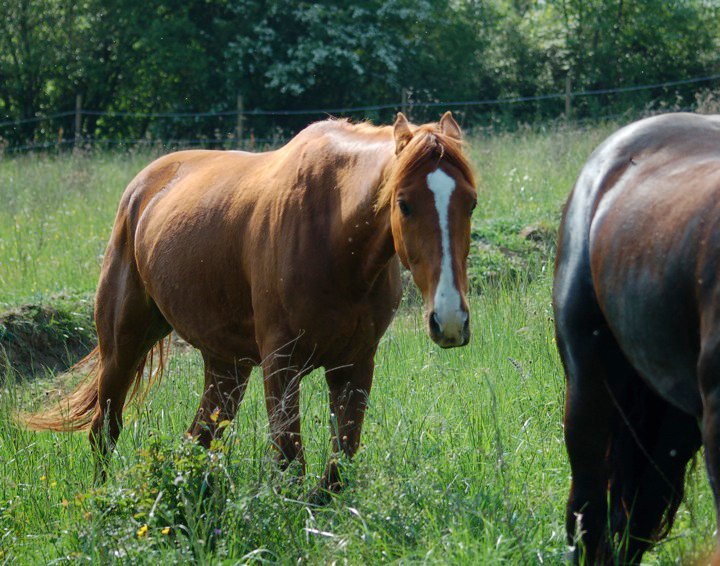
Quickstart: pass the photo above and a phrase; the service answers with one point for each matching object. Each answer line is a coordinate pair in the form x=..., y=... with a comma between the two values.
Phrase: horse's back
x=638, y=236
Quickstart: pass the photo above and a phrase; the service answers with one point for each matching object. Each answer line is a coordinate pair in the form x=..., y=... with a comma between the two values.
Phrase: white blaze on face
x=447, y=298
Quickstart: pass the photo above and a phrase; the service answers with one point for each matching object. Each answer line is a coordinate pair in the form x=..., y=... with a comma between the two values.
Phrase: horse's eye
x=404, y=207
x=472, y=208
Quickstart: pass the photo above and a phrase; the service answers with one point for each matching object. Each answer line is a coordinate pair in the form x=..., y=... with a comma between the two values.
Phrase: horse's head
x=431, y=196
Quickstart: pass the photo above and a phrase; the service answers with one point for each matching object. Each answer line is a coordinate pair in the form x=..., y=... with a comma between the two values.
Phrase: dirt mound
x=539, y=233
x=38, y=338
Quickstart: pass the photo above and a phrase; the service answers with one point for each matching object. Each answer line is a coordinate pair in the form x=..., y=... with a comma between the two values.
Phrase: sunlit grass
x=55, y=220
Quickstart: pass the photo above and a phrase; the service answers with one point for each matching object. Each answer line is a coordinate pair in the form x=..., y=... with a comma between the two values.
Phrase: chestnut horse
x=285, y=259
x=637, y=315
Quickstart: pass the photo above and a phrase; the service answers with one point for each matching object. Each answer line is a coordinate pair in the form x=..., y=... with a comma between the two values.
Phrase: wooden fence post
x=568, y=96
x=240, y=120
x=78, y=118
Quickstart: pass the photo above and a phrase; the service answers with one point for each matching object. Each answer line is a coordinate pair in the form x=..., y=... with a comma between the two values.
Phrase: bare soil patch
x=39, y=338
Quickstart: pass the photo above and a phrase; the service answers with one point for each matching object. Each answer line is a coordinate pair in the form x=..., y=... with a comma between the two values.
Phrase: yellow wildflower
x=166, y=531
x=142, y=531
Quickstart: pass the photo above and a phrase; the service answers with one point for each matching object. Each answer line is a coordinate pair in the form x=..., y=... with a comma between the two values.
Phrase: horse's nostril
x=466, y=332
x=434, y=323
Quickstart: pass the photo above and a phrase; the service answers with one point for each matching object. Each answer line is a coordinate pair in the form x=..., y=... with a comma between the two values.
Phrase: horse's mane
x=428, y=144
x=345, y=126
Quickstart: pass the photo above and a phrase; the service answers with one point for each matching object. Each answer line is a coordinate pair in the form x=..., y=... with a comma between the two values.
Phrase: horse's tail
x=75, y=410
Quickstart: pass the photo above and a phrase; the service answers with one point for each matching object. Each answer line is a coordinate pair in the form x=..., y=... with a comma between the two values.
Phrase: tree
x=150, y=56
x=634, y=42
x=27, y=57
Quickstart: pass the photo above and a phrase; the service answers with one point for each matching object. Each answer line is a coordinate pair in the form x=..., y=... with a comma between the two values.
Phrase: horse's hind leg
x=639, y=444
x=224, y=388
x=593, y=367
x=650, y=454
x=128, y=326
x=709, y=377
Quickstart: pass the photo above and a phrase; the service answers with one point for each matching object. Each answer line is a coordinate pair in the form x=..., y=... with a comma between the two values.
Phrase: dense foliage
x=140, y=56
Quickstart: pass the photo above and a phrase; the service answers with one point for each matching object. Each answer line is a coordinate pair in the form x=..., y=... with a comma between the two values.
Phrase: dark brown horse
x=637, y=315
x=285, y=259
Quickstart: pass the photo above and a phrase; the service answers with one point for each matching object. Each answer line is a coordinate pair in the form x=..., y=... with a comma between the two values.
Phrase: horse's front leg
x=349, y=391
x=282, y=398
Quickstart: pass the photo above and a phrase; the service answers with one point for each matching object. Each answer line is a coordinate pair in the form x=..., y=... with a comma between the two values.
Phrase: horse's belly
x=222, y=329
x=201, y=290
x=232, y=341
x=218, y=320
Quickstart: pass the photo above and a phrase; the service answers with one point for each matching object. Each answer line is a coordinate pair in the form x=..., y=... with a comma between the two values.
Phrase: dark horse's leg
x=128, y=326
x=587, y=350
x=648, y=459
x=619, y=435
x=224, y=388
x=349, y=389
x=709, y=376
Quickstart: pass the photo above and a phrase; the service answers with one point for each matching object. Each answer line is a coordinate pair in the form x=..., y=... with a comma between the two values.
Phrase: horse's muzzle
x=450, y=333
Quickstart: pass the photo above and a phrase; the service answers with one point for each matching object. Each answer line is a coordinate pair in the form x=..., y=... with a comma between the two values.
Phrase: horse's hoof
x=322, y=495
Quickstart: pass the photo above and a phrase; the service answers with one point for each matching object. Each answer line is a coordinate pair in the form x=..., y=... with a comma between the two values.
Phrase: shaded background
x=125, y=71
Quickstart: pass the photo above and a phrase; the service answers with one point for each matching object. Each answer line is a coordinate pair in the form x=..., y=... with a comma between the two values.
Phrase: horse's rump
x=643, y=215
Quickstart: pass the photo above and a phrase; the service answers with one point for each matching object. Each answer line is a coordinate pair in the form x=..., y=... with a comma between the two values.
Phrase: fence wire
x=224, y=131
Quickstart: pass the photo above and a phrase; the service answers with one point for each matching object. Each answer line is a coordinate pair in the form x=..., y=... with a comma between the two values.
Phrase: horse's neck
x=366, y=242
x=353, y=171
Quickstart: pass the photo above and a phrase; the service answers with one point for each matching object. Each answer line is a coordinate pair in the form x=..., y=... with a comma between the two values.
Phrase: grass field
x=462, y=458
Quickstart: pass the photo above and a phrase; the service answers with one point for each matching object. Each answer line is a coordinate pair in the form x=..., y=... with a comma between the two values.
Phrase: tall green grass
x=55, y=220
x=462, y=458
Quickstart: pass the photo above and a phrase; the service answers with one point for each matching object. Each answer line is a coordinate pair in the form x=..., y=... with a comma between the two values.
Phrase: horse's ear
x=449, y=126
x=401, y=131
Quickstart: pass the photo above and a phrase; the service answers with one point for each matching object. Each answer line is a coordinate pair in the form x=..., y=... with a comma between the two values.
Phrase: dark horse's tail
x=651, y=446
x=75, y=410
